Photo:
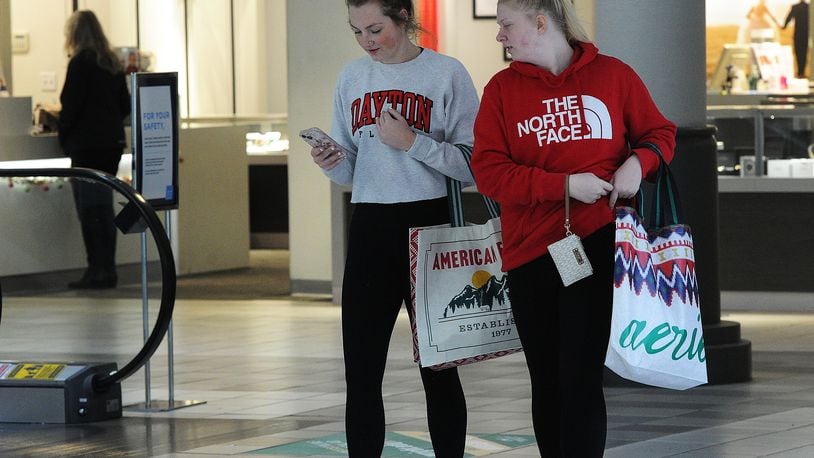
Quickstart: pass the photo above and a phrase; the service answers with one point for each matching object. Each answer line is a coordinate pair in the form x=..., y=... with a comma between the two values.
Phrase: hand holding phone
x=315, y=137
x=327, y=153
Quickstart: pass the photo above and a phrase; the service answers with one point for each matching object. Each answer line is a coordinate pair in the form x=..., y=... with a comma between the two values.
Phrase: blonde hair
x=84, y=32
x=561, y=11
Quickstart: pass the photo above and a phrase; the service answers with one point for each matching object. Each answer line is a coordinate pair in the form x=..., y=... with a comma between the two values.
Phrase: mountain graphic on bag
x=480, y=298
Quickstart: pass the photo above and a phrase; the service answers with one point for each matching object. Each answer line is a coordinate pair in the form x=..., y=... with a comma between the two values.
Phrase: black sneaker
x=95, y=281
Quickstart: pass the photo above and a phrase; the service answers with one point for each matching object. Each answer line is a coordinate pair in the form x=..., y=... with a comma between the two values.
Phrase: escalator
x=74, y=392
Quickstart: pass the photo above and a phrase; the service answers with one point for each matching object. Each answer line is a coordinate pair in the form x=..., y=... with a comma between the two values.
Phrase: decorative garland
x=45, y=184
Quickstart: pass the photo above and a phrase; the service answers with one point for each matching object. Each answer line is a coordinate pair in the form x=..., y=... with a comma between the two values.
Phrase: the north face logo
x=565, y=120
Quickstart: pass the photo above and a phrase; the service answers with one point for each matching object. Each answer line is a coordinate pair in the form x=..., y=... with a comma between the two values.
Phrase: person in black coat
x=799, y=14
x=95, y=102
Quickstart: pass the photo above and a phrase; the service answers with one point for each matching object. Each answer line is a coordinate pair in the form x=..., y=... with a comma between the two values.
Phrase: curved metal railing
x=100, y=383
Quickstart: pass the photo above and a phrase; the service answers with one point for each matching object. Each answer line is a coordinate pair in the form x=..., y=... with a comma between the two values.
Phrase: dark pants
x=376, y=283
x=801, y=55
x=565, y=332
x=94, y=207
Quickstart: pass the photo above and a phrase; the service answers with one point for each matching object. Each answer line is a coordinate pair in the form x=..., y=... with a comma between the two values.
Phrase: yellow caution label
x=35, y=371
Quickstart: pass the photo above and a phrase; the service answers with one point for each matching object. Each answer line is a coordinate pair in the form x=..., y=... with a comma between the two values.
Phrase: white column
x=664, y=41
x=320, y=42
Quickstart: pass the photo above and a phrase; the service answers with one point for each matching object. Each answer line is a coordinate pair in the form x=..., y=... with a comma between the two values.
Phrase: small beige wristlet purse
x=568, y=254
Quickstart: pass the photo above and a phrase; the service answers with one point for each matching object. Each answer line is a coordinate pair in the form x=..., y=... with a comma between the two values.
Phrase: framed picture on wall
x=484, y=9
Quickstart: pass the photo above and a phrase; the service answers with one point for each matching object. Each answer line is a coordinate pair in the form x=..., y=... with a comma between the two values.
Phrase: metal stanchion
x=171, y=403
x=145, y=315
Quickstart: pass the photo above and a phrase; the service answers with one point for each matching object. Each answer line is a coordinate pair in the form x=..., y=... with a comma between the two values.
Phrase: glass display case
x=773, y=140
x=765, y=188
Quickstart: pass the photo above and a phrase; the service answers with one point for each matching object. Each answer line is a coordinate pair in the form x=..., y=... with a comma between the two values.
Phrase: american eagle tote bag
x=460, y=296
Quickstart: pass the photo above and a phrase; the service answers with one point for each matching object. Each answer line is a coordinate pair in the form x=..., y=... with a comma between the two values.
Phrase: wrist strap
x=567, y=208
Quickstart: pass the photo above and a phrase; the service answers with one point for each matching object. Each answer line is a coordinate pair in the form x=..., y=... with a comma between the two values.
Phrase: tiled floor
x=270, y=372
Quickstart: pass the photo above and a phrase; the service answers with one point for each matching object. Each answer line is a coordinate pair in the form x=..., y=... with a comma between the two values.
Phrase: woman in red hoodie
x=562, y=111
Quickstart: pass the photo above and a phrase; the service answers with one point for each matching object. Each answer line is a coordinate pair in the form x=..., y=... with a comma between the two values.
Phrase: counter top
x=268, y=159
x=765, y=185
x=26, y=146
x=756, y=98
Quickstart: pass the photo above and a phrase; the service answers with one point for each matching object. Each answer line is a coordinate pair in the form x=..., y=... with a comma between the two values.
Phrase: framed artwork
x=484, y=9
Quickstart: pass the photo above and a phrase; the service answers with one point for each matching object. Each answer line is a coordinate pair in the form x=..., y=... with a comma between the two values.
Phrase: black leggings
x=94, y=207
x=565, y=332
x=801, y=52
x=376, y=282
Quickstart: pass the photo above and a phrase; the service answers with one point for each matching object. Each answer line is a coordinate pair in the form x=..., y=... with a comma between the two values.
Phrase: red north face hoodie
x=534, y=128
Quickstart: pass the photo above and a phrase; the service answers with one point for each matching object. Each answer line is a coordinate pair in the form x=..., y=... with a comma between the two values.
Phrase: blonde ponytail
x=562, y=11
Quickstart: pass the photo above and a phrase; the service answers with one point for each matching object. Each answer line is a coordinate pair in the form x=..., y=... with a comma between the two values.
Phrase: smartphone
x=315, y=137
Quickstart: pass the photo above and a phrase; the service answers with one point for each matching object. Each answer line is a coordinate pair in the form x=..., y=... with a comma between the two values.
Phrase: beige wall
x=5, y=40
x=586, y=13
x=319, y=44
x=276, y=59
x=259, y=40
x=472, y=41
x=44, y=21
x=212, y=221
x=117, y=19
x=210, y=57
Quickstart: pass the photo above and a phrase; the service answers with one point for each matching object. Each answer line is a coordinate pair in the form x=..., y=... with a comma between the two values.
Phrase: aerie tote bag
x=656, y=330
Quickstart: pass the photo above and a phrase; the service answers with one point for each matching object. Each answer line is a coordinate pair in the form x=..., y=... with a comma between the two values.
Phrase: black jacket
x=95, y=103
x=798, y=13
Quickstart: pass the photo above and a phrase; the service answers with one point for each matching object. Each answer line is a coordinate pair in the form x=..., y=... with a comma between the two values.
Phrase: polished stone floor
x=270, y=373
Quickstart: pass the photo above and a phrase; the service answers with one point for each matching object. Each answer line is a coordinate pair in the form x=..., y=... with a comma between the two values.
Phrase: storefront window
x=752, y=47
x=758, y=91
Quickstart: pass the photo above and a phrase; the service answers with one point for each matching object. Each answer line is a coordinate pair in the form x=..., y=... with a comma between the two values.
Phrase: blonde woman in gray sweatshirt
x=398, y=114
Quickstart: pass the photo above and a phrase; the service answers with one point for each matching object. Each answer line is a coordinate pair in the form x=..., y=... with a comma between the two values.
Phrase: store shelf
x=736, y=184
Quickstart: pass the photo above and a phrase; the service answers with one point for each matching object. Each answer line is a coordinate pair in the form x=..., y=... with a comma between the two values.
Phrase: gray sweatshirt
x=437, y=97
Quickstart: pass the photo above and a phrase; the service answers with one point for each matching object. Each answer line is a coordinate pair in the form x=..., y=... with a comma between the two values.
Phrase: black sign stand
x=155, y=127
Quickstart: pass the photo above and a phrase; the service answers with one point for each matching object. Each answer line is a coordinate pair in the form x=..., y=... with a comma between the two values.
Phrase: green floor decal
x=396, y=445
